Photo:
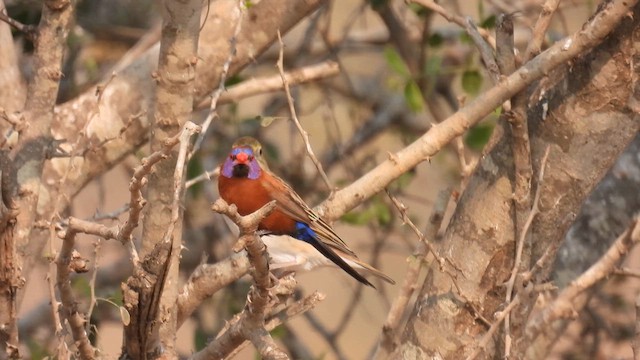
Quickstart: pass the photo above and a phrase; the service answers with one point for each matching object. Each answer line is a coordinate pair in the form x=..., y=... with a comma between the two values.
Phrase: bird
x=246, y=181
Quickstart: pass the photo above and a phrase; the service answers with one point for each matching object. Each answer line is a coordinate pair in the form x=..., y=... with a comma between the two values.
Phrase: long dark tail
x=331, y=255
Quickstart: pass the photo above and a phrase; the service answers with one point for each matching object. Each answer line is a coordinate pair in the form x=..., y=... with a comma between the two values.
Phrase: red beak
x=242, y=158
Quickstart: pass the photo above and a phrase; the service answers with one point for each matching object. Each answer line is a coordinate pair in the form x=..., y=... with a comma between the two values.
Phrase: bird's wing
x=292, y=205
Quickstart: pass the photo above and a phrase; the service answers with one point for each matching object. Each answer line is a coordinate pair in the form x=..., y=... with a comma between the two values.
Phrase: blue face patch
x=231, y=162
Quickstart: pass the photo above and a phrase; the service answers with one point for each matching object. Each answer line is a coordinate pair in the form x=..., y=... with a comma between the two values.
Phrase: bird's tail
x=331, y=255
x=368, y=269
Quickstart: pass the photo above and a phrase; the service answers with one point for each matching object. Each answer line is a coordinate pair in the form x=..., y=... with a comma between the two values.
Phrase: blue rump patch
x=304, y=232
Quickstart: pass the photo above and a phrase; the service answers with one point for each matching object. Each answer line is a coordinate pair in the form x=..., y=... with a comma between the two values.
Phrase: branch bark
x=28, y=159
x=577, y=116
x=172, y=107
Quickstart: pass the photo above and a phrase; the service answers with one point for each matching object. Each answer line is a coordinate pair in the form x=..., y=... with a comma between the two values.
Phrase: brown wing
x=291, y=204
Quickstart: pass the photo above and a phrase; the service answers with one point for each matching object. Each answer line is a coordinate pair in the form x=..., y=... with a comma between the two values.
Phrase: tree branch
x=250, y=323
x=68, y=260
x=440, y=134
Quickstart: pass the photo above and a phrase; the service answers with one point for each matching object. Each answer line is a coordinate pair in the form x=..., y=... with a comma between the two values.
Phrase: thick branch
x=441, y=134
x=29, y=155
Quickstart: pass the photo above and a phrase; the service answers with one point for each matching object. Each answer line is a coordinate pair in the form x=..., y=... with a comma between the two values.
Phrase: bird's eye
x=260, y=151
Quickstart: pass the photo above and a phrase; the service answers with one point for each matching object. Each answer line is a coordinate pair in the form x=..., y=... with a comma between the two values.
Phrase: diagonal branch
x=592, y=33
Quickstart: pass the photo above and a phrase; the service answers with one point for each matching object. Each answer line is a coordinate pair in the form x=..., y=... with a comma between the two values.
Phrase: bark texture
x=576, y=111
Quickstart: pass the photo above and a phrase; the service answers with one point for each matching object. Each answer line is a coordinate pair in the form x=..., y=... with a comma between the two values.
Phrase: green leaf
x=232, y=80
x=279, y=332
x=478, y=136
x=124, y=315
x=395, y=62
x=81, y=285
x=376, y=4
x=268, y=120
x=194, y=169
x=465, y=38
x=489, y=22
x=419, y=10
x=356, y=218
x=433, y=66
x=413, y=96
x=403, y=181
x=382, y=212
x=200, y=339
x=471, y=81
x=435, y=40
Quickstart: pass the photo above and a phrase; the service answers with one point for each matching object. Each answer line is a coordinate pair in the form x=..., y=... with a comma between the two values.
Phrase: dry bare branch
x=250, y=323
x=441, y=134
x=294, y=117
x=65, y=264
x=563, y=305
x=267, y=84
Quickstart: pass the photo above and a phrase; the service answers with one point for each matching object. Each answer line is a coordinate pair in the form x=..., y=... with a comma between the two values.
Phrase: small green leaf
x=279, y=332
x=383, y=214
x=433, y=66
x=232, y=80
x=355, y=218
x=395, y=62
x=81, y=285
x=471, y=81
x=413, y=96
x=376, y=4
x=200, y=339
x=268, y=120
x=419, y=10
x=403, y=181
x=465, y=38
x=489, y=22
x=124, y=316
x=435, y=40
x=194, y=169
x=478, y=136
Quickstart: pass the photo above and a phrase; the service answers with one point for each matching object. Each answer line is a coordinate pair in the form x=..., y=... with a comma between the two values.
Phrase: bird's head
x=245, y=159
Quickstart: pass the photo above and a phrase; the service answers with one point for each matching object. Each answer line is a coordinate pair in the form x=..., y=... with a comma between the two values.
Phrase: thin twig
x=445, y=264
x=484, y=341
x=30, y=31
x=267, y=84
x=540, y=29
x=486, y=50
x=457, y=19
x=65, y=264
x=520, y=246
x=213, y=107
x=188, y=130
x=564, y=304
x=294, y=117
x=63, y=349
x=207, y=175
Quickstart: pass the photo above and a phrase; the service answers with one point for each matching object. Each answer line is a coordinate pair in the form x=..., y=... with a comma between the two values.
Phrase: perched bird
x=246, y=181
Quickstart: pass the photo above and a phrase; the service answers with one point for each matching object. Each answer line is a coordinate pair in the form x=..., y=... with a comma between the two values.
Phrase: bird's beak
x=242, y=158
